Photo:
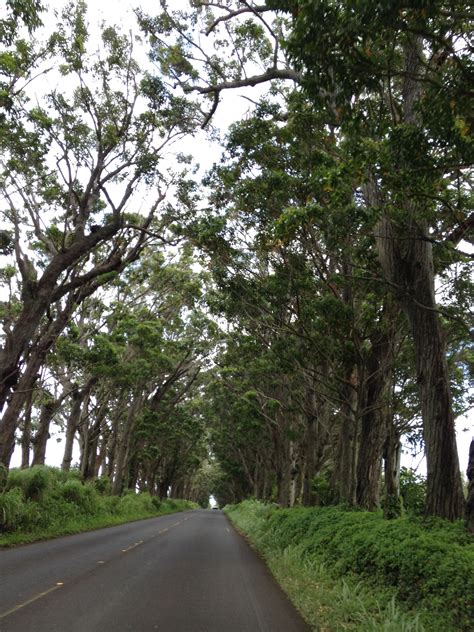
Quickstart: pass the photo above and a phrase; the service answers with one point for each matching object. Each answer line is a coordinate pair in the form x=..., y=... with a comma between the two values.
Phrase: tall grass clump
x=43, y=502
x=413, y=564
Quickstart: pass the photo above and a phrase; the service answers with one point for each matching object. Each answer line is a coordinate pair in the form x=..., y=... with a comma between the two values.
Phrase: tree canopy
x=276, y=326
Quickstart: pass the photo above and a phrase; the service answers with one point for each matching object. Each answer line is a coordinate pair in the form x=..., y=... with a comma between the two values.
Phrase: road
x=186, y=572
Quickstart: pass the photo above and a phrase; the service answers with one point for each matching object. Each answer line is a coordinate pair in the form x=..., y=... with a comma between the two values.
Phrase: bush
x=46, y=502
x=103, y=485
x=84, y=496
x=133, y=503
x=111, y=504
x=11, y=509
x=34, y=482
x=3, y=477
x=412, y=491
x=430, y=564
x=322, y=491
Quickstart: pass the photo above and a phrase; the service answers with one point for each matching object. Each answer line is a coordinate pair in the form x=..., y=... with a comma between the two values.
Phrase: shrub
x=103, y=485
x=412, y=491
x=3, y=477
x=11, y=509
x=46, y=502
x=430, y=564
x=111, y=504
x=84, y=496
x=132, y=503
x=34, y=482
x=321, y=488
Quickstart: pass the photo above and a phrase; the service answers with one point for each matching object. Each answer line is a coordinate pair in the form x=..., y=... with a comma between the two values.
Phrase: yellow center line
x=27, y=603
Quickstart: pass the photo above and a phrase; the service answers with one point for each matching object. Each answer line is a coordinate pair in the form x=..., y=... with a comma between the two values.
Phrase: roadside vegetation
x=353, y=570
x=44, y=502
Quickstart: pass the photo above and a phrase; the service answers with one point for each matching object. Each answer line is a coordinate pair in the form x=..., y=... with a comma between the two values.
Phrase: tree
x=385, y=64
x=73, y=163
x=390, y=79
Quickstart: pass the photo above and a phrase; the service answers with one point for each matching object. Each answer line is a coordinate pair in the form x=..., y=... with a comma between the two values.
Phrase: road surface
x=186, y=572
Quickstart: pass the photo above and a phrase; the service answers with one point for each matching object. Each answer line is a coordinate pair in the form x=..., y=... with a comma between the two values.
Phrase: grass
x=353, y=570
x=42, y=503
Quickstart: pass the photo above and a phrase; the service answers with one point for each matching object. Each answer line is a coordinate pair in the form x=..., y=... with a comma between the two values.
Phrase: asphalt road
x=186, y=572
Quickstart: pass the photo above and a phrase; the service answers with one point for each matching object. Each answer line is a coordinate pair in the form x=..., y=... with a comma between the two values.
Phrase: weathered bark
x=26, y=433
x=11, y=416
x=404, y=249
x=373, y=429
x=123, y=447
x=89, y=457
x=294, y=473
x=287, y=474
x=100, y=461
x=46, y=339
x=89, y=436
x=469, y=517
x=48, y=410
x=71, y=427
x=315, y=443
x=37, y=297
x=392, y=455
x=409, y=267
x=444, y=496
x=343, y=482
x=113, y=442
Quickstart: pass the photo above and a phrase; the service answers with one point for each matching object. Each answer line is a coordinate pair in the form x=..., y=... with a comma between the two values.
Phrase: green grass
x=42, y=503
x=353, y=570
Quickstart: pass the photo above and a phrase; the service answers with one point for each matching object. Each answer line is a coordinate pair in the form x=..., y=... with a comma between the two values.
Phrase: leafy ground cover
x=353, y=570
x=43, y=502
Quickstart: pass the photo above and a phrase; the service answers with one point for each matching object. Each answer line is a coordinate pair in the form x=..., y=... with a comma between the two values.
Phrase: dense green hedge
x=429, y=563
x=43, y=502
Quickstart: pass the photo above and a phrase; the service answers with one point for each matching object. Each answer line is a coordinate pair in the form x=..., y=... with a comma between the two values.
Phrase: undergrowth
x=44, y=502
x=353, y=570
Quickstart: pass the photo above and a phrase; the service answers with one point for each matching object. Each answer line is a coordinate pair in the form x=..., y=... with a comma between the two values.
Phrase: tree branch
x=268, y=75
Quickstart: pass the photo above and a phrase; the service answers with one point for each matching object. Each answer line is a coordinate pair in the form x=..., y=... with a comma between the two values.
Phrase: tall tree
x=392, y=79
x=73, y=163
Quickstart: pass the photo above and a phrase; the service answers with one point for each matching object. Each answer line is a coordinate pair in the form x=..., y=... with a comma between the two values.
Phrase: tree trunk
x=71, y=427
x=373, y=429
x=38, y=295
x=444, y=496
x=9, y=422
x=26, y=382
x=470, y=490
x=123, y=450
x=99, y=465
x=392, y=455
x=346, y=454
x=48, y=409
x=26, y=433
x=315, y=442
x=409, y=266
x=294, y=474
x=405, y=253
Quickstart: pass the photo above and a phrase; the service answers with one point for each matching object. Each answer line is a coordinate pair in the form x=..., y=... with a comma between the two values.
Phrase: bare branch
x=269, y=75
